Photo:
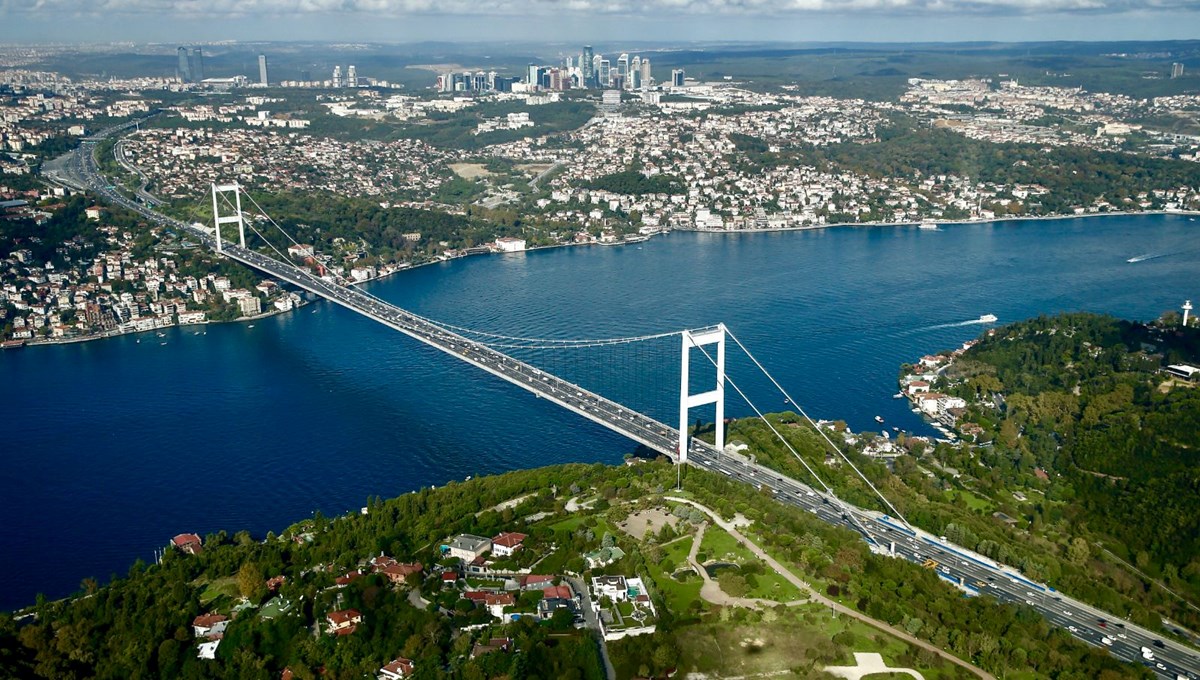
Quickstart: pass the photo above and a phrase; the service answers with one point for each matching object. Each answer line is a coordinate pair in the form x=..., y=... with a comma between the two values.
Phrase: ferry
x=987, y=318
x=931, y=226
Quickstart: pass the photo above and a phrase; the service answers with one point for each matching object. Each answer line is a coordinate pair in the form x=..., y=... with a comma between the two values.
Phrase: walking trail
x=816, y=596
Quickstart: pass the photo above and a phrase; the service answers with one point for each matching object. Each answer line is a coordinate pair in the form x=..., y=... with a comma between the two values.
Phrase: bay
x=109, y=448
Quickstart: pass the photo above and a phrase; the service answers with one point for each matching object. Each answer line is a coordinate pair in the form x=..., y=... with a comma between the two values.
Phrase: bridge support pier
x=236, y=218
x=687, y=400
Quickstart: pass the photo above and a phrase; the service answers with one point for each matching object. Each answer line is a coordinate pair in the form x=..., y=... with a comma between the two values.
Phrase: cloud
x=399, y=8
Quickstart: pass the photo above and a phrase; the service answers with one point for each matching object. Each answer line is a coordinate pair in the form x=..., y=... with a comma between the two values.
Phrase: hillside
x=407, y=585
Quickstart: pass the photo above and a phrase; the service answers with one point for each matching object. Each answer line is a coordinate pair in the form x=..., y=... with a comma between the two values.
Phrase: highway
x=973, y=573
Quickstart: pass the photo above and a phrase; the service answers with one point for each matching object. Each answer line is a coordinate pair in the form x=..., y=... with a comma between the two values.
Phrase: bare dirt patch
x=653, y=519
x=470, y=170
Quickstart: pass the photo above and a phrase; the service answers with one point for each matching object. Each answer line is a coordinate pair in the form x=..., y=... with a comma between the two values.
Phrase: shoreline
x=50, y=342
x=1033, y=218
x=947, y=223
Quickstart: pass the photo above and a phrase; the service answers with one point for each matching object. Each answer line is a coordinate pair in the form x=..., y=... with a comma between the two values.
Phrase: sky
x=102, y=21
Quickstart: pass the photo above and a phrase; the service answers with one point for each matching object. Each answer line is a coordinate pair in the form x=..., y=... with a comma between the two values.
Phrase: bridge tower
x=237, y=218
x=708, y=336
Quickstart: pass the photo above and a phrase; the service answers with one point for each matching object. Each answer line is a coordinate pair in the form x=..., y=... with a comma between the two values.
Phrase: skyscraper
x=197, y=64
x=623, y=66
x=634, y=80
x=677, y=77
x=1176, y=70
x=647, y=81
x=184, y=68
x=262, y=70
x=586, y=66
x=603, y=73
x=351, y=76
x=337, y=76
x=596, y=59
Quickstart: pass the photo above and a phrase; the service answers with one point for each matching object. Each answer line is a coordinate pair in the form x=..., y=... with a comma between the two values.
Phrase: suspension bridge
x=888, y=534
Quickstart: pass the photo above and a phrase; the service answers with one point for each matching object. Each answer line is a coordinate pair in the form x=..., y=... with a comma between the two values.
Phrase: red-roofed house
x=507, y=543
x=495, y=602
x=396, y=573
x=563, y=591
x=206, y=625
x=493, y=645
x=535, y=581
x=378, y=563
x=188, y=543
x=343, y=621
x=343, y=581
x=275, y=582
x=400, y=668
x=449, y=578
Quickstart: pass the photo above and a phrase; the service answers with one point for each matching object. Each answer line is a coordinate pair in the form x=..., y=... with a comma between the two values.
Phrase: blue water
x=109, y=448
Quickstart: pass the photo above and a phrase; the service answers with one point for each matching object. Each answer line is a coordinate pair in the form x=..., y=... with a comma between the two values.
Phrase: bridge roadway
x=966, y=569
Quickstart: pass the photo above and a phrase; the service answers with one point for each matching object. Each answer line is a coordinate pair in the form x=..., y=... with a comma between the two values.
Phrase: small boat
x=895, y=428
x=987, y=318
x=898, y=395
x=162, y=343
x=879, y=419
x=930, y=226
x=161, y=335
x=250, y=326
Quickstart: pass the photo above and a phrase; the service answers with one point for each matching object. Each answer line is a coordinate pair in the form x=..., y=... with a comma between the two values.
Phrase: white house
x=467, y=547
x=612, y=587
x=397, y=669
x=208, y=650
x=507, y=543
x=509, y=244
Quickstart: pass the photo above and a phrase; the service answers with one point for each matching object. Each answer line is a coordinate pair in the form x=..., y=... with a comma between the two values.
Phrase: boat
x=879, y=419
x=931, y=226
x=987, y=318
x=250, y=326
x=161, y=335
x=898, y=395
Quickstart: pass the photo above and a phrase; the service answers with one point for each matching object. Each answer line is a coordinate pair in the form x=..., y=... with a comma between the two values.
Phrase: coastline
x=948, y=223
x=397, y=270
x=118, y=333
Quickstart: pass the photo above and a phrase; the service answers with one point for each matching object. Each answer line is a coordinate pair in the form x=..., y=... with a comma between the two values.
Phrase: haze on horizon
x=401, y=21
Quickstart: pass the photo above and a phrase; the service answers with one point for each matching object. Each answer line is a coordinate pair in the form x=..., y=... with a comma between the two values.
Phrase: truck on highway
x=1147, y=654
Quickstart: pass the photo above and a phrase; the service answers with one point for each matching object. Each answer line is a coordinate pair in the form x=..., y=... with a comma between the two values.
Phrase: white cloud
x=396, y=8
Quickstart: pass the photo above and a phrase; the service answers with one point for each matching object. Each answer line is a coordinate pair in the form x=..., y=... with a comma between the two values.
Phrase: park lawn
x=973, y=502
x=720, y=546
x=223, y=586
x=772, y=586
x=678, y=595
x=866, y=639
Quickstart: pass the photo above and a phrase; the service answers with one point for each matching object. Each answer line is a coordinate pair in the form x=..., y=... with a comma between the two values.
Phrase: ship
x=932, y=226
x=987, y=318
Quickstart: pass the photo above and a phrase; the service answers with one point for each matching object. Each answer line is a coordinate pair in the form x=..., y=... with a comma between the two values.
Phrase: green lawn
x=222, y=586
x=973, y=502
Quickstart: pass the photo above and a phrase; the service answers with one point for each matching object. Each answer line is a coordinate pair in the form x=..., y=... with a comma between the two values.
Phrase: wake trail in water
x=956, y=324
x=1147, y=256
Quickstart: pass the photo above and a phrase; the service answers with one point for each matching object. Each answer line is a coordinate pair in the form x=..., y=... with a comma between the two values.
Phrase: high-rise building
x=337, y=76
x=262, y=70
x=634, y=79
x=586, y=66
x=1176, y=70
x=623, y=66
x=647, y=81
x=596, y=70
x=603, y=73
x=677, y=77
x=184, y=67
x=351, y=76
x=197, y=64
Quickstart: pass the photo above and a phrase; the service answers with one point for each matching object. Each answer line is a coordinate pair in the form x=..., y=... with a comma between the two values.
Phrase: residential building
x=467, y=547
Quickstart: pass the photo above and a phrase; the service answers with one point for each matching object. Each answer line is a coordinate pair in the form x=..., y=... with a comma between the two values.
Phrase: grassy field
x=222, y=586
x=800, y=640
x=973, y=502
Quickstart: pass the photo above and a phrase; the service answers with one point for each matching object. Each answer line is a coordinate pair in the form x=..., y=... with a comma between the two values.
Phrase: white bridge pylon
x=236, y=218
x=701, y=338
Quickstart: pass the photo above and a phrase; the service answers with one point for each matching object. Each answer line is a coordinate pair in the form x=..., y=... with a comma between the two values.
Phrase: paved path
x=711, y=591
x=868, y=663
x=591, y=620
x=836, y=606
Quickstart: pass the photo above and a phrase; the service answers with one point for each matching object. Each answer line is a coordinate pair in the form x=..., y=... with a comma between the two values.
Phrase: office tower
x=491, y=80
x=262, y=70
x=197, y=64
x=623, y=67
x=1176, y=70
x=633, y=80
x=586, y=66
x=603, y=74
x=595, y=80
x=337, y=76
x=184, y=67
x=351, y=76
x=677, y=77
x=647, y=81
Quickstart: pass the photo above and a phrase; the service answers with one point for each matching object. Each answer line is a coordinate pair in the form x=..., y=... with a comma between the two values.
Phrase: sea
x=109, y=448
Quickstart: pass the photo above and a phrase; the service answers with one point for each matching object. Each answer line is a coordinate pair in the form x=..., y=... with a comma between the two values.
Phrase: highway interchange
x=969, y=571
